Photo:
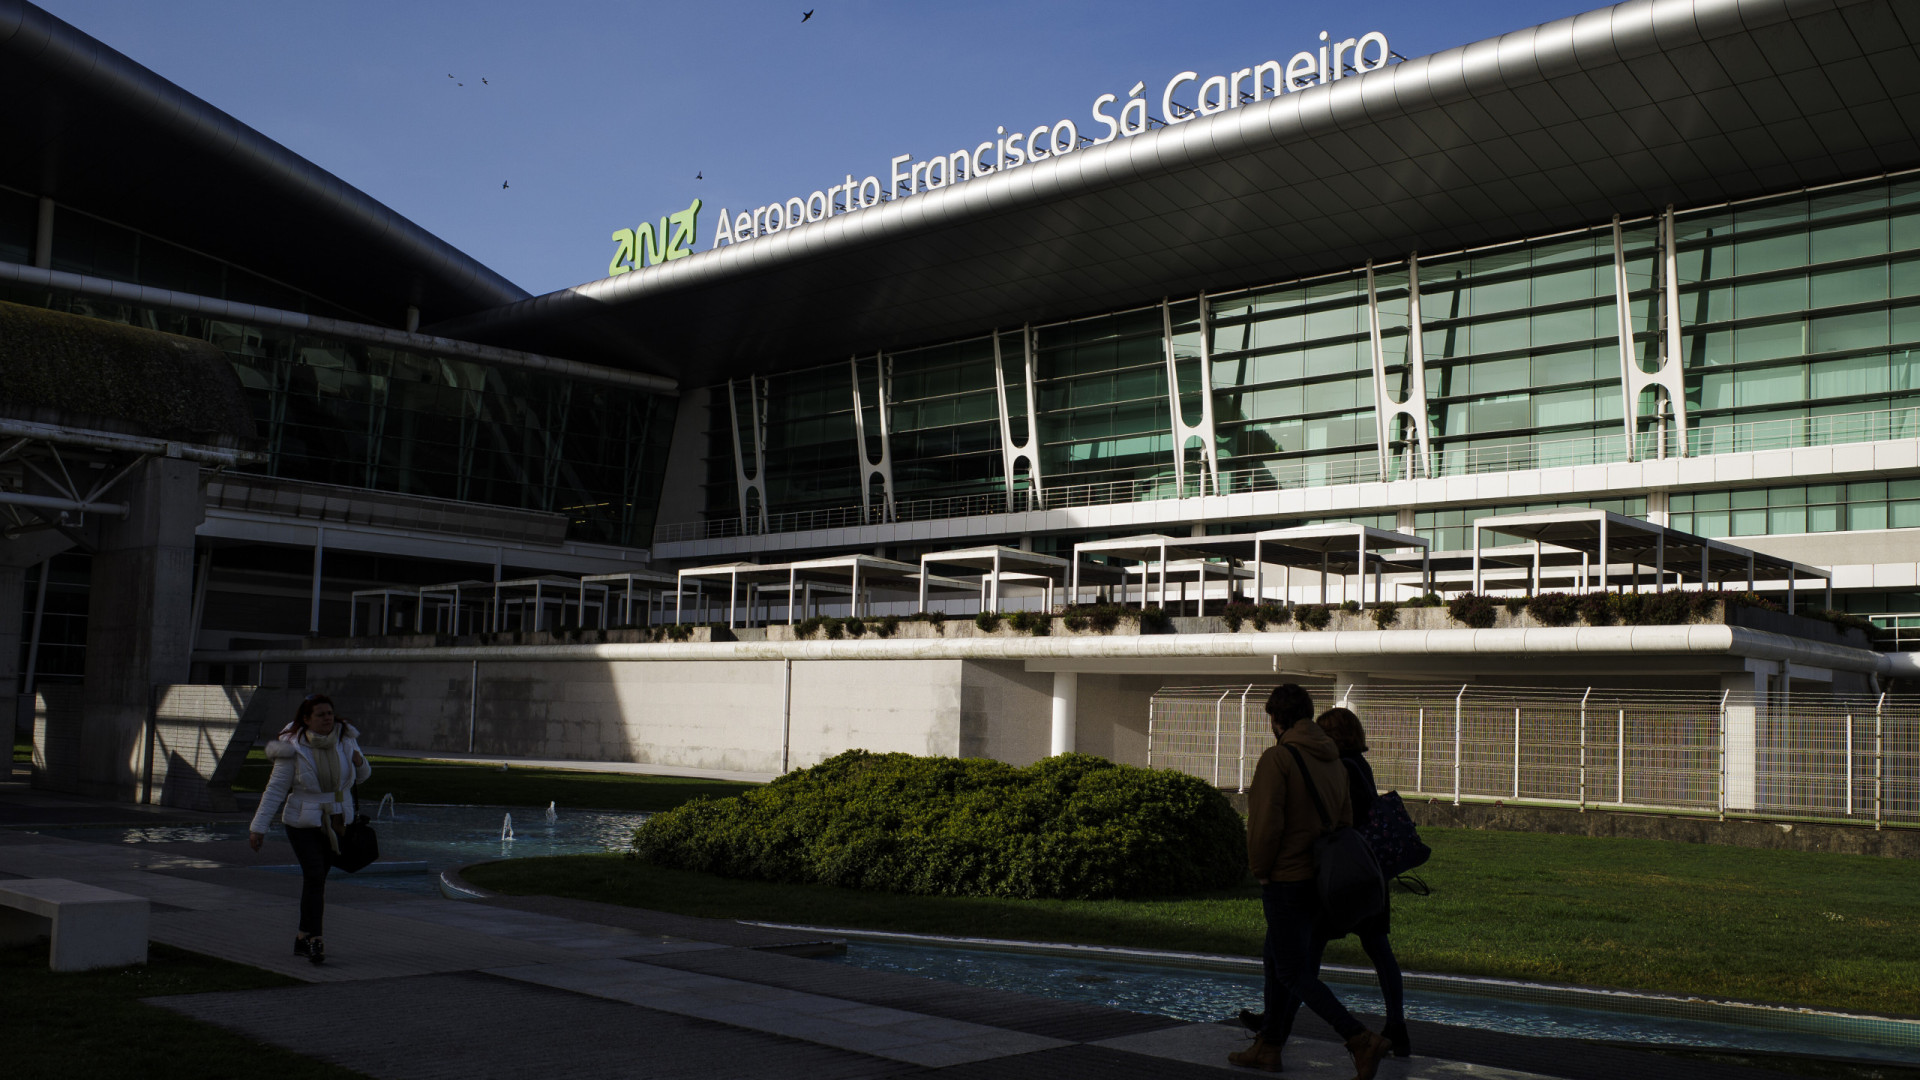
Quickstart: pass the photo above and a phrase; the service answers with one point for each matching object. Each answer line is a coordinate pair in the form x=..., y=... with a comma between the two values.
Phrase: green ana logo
x=650, y=246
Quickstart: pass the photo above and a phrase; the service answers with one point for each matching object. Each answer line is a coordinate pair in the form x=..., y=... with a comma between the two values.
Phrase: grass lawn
x=414, y=781
x=1841, y=931
x=94, y=1024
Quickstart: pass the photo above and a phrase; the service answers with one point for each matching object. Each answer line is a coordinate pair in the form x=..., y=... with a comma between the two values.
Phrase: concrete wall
x=721, y=715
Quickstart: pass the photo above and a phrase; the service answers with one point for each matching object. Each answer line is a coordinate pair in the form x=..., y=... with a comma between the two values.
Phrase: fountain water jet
x=552, y=814
x=506, y=830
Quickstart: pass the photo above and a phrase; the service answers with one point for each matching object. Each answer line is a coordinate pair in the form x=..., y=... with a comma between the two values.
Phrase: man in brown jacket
x=1282, y=825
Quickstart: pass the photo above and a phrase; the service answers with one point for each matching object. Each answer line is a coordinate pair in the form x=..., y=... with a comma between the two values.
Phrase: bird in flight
x=449, y=75
x=503, y=185
x=700, y=175
x=807, y=16
x=484, y=82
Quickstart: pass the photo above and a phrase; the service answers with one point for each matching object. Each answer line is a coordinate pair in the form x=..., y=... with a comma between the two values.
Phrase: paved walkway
x=513, y=987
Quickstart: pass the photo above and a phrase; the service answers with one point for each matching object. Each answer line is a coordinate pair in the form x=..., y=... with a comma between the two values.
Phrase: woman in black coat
x=1348, y=733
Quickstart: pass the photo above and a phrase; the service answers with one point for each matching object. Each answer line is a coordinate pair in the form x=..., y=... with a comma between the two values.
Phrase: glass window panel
x=1904, y=278
x=1501, y=413
x=1704, y=305
x=1759, y=255
x=1905, y=324
x=1333, y=322
x=1563, y=367
x=1850, y=377
x=1562, y=285
x=1752, y=344
x=1906, y=230
x=1716, y=390
x=1557, y=327
x=1748, y=523
x=1331, y=396
x=1871, y=515
x=1857, y=330
x=1499, y=335
x=1849, y=241
x=1823, y=519
x=1496, y=296
x=1787, y=496
x=1870, y=490
x=1788, y=519
x=1564, y=407
x=1500, y=376
x=1903, y=515
x=1756, y=298
x=1853, y=285
x=1748, y=498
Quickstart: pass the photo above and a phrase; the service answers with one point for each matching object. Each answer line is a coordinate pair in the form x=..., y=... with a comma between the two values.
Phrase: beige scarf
x=327, y=777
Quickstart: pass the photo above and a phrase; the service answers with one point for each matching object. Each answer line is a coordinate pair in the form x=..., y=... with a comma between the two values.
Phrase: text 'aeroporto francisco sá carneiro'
x=1114, y=119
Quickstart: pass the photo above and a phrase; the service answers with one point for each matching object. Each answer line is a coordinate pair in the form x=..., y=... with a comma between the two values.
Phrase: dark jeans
x=1292, y=962
x=316, y=858
x=1393, y=989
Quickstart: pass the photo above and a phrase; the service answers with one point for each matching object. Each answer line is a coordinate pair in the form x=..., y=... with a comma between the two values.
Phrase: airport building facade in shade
x=1661, y=260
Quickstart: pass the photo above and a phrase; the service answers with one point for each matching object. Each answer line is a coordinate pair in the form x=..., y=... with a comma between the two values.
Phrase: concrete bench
x=90, y=927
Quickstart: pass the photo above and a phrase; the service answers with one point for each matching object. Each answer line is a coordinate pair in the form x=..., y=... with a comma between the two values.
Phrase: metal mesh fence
x=1807, y=757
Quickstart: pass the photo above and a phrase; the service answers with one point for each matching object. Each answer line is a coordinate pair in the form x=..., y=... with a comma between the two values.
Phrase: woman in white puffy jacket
x=316, y=763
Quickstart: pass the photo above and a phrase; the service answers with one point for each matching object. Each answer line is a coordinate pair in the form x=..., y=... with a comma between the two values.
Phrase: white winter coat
x=294, y=781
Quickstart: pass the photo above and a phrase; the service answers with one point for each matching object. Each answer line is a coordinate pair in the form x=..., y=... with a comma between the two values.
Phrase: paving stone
x=885, y=1032
x=1030, y=1014
x=472, y=1027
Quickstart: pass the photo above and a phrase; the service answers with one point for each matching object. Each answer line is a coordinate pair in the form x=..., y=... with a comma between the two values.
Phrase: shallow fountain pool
x=1216, y=992
x=417, y=841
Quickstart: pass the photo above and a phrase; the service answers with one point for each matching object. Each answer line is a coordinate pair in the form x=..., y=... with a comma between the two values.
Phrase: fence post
x=1150, y=712
x=1456, y=743
x=1242, y=774
x=1219, y=733
x=1849, y=764
x=1724, y=694
x=1620, y=784
x=1516, y=751
x=1583, y=748
x=1879, y=746
x=1420, y=752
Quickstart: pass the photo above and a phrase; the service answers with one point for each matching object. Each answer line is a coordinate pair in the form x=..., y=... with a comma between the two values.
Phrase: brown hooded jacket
x=1281, y=820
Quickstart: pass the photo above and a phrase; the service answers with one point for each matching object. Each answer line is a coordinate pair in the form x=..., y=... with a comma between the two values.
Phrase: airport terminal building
x=1660, y=260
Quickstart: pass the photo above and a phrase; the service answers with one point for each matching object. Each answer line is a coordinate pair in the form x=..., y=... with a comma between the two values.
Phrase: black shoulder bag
x=1347, y=875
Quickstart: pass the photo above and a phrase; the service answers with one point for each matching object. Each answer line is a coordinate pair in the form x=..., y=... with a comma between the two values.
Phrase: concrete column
x=1066, y=695
x=43, y=236
x=1345, y=685
x=1746, y=708
x=139, y=632
x=14, y=601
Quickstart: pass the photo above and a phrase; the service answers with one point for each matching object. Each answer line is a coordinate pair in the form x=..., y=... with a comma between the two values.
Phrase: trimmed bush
x=854, y=627
x=1552, y=609
x=1314, y=616
x=987, y=621
x=887, y=625
x=1599, y=609
x=1472, y=609
x=1263, y=614
x=1385, y=613
x=1070, y=827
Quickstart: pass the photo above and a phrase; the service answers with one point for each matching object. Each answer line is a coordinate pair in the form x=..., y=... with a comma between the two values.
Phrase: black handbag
x=1347, y=874
x=359, y=846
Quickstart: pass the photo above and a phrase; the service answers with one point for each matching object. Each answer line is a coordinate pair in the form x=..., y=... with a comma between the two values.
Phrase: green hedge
x=1071, y=827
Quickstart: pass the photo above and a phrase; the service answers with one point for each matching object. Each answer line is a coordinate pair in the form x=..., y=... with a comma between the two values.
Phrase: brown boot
x=1261, y=1055
x=1368, y=1051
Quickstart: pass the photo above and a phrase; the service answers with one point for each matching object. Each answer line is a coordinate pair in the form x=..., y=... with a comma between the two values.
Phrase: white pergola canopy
x=1607, y=540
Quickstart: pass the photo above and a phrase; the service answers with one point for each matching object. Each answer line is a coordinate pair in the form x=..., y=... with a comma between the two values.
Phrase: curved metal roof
x=95, y=131
x=1621, y=110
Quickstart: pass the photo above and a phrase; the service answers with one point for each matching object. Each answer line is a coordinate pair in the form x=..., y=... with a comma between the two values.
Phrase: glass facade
x=1802, y=306
x=370, y=416
x=1795, y=311
x=1810, y=508
x=85, y=244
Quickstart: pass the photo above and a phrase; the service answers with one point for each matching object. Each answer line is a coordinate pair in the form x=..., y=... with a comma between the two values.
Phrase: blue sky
x=599, y=115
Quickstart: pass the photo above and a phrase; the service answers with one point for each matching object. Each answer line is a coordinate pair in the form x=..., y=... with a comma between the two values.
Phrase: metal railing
x=1903, y=423
x=1789, y=757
